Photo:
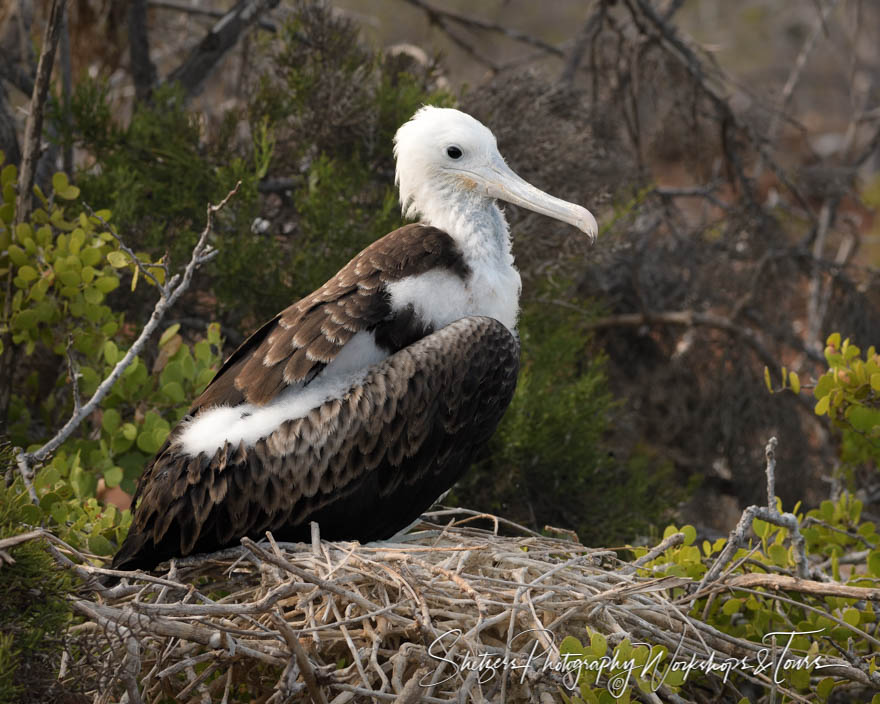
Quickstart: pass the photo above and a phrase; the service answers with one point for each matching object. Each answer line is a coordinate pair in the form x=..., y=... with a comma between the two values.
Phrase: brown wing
x=363, y=466
x=301, y=340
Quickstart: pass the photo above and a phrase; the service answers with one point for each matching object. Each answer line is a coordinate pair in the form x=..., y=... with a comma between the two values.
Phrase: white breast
x=441, y=297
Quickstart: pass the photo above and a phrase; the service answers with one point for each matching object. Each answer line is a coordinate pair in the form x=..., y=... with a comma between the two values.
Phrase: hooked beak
x=499, y=181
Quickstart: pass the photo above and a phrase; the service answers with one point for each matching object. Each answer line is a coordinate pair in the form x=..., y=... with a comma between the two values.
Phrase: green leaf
x=690, y=534
x=761, y=528
x=28, y=273
x=168, y=334
x=92, y=295
x=862, y=418
x=598, y=644
x=111, y=352
x=18, y=256
x=174, y=391
x=874, y=563
x=99, y=545
x=823, y=689
x=767, y=380
x=111, y=420
x=731, y=606
x=129, y=430
x=571, y=645
x=822, y=406
x=875, y=381
x=118, y=259
x=795, y=382
x=105, y=284
x=778, y=554
x=59, y=181
x=113, y=476
x=852, y=617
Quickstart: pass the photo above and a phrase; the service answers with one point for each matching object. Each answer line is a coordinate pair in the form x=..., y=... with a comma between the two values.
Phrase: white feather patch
x=440, y=297
x=248, y=423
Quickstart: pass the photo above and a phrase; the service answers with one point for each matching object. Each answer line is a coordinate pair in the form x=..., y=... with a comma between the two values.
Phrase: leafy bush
x=839, y=623
x=849, y=394
x=33, y=609
x=157, y=173
x=66, y=269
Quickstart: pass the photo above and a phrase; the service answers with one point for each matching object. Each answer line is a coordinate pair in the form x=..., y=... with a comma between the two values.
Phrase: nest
x=448, y=613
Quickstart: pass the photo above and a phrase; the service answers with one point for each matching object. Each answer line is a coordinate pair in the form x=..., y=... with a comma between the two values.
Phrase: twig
x=815, y=307
x=669, y=542
x=192, y=73
x=792, y=584
x=34, y=126
x=794, y=77
x=770, y=514
x=435, y=13
x=204, y=11
x=143, y=71
x=586, y=36
x=302, y=659
x=144, y=270
x=168, y=295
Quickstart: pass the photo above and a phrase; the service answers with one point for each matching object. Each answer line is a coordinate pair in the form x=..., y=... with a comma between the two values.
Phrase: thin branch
x=585, y=37
x=770, y=514
x=203, y=11
x=687, y=318
x=168, y=295
x=74, y=377
x=795, y=75
x=144, y=270
x=192, y=73
x=143, y=71
x=435, y=13
x=34, y=126
x=66, y=88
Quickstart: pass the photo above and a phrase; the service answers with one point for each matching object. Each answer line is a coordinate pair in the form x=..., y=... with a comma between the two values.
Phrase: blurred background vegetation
x=730, y=151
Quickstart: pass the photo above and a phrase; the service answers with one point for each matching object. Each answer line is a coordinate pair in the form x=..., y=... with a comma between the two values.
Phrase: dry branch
x=169, y=292
x=221, y=38
x=34, y=127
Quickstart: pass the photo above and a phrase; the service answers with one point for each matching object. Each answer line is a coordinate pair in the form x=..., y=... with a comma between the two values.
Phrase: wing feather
x=299, y=342
x=361, y=476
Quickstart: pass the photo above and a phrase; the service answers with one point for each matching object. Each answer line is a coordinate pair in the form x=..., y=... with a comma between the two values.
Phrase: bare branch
x=34, y=126
x=587, y=35
x=168, y=295
x=435, y=14
x=203, y=11
x=770, y=514
x=192, y=73
x=143, y=71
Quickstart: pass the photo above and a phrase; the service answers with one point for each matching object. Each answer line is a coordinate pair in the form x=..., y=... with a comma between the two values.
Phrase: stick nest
x=339, y=622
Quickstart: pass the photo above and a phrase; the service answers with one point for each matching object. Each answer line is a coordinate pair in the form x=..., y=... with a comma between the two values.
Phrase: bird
x=360, y=404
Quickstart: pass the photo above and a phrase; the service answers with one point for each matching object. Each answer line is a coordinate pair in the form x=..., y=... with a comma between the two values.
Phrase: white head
x=450, y=173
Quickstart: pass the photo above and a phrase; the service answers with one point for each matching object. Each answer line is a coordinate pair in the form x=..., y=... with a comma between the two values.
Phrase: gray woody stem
x=770, y=514
x=168, y=295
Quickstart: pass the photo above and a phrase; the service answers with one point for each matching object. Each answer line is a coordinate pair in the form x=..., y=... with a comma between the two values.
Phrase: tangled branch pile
x=426, y=619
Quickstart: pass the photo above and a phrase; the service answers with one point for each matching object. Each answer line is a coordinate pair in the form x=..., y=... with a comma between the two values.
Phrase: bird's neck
x=475, y=222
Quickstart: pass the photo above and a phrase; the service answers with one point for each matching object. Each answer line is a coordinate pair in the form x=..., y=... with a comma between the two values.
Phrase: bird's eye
x=453, y=152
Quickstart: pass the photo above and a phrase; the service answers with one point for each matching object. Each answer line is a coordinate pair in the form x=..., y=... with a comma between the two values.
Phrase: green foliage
x=333, y=106
x=832, y=530
x=65, y=266
x=849, y=394
x=548, y=462
x=158, y=173
x=33, y=608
